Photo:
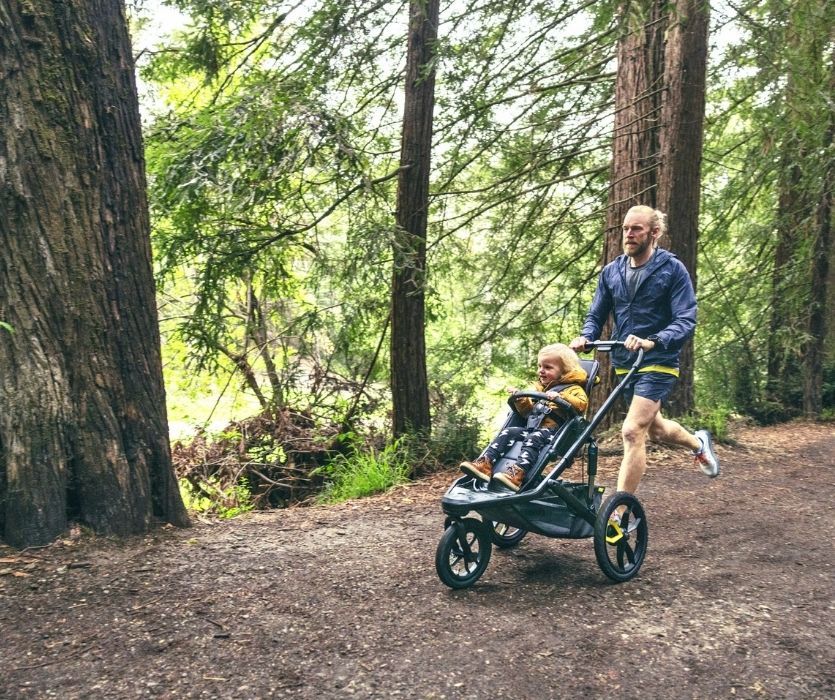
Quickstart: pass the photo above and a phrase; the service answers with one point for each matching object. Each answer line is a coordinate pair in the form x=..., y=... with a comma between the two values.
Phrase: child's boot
x=512, y=476
x=481, y=468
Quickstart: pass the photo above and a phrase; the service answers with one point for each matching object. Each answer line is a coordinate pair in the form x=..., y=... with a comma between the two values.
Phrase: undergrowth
x=359, y=472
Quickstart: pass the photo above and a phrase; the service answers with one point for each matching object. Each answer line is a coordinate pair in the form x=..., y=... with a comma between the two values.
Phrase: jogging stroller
x=545, y=504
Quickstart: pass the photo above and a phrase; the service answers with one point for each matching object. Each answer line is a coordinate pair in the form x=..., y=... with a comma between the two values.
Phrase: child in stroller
x=560, y=374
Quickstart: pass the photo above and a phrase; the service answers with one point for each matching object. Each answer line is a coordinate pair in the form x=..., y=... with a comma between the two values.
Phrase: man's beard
x=638, y=250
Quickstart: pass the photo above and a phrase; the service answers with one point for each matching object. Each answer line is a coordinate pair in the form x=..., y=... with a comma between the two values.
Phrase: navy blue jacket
x=664, y=305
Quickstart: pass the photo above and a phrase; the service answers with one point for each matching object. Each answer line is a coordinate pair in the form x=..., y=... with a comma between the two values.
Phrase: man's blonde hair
x=564, y=355
x=657, y=218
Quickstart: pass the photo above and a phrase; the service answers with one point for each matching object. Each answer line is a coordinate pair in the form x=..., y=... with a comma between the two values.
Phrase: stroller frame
x=552, y=508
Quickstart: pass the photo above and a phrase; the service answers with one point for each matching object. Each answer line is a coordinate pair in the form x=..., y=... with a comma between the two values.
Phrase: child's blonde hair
x=564, y=355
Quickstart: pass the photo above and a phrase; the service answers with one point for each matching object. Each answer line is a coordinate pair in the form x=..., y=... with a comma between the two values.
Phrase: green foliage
x=363, y=472
x=272, y=163
x=208, y=497
x=273, y=171
x=456, y=435
x=715, y=419
x=764, y=175
x=6, y=327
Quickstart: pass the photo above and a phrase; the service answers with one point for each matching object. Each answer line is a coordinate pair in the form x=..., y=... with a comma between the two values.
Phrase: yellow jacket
x=575, y=394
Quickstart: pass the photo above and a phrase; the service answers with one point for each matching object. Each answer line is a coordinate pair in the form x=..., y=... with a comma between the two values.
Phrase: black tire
x=463, y=552
x=620, y=550
x=506, y=536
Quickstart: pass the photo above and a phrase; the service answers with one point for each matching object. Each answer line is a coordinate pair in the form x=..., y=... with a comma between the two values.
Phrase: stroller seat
x=562, y=439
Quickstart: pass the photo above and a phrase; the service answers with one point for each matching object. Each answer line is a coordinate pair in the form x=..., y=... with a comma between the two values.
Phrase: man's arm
x=683, y=308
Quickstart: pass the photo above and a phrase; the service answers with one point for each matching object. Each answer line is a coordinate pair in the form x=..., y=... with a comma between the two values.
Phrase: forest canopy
x=273, y=143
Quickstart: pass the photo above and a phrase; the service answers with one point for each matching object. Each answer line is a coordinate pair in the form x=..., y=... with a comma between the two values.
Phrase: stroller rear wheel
x=506, y=536
x=463, y=552
x=620, y=544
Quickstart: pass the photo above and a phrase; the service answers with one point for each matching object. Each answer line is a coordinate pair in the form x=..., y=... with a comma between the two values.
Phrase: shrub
x=209, y=497
x=715, y=419
x=362, y=473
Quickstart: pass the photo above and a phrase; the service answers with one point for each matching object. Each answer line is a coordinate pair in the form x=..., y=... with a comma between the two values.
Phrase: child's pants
x=534, y=442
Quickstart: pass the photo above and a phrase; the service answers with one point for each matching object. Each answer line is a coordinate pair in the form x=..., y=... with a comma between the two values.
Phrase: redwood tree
x=638, y=90
x=83, y=428
x=660, y=104
x=410, y=394
x=680, y=144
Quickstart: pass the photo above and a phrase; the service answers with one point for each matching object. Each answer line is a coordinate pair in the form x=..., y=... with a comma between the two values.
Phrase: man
x=650, y=296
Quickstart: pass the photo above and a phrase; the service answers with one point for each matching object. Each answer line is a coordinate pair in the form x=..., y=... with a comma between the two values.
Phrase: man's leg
x=641, y=415
x=666, y=430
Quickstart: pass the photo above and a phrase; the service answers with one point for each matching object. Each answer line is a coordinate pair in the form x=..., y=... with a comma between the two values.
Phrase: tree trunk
x=681, y=136
x=638, y=91
x=83, y=428
x=659, y=118
x=410, y=393
x=783, y=380
x=814, y=347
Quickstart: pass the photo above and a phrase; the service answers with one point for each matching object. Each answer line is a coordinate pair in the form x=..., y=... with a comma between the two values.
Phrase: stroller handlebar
x=609, y=345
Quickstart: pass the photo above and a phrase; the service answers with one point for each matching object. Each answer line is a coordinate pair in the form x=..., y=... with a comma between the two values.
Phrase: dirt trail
x=735, y=599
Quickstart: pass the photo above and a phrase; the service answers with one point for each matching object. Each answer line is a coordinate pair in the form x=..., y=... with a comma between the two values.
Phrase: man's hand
x=633, y=343
x=579, y=343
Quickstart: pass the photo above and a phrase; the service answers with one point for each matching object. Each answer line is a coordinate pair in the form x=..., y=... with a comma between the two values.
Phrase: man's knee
x=633, y=432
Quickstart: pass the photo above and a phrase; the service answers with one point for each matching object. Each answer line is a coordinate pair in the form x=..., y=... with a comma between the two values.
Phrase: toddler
x=560, y=374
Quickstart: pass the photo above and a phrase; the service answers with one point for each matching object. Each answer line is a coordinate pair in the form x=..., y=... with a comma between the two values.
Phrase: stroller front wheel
x=620, y=547
x=463, y=553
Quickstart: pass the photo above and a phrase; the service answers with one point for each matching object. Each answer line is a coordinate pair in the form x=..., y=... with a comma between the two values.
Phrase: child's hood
x=574, y=376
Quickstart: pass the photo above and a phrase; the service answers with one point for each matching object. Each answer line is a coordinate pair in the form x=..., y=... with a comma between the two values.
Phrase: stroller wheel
x=506, y=536
x=620, y=547
x=463, y=553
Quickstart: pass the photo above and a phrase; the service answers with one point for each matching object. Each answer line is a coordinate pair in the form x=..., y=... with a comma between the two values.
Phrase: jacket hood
x=574, y=376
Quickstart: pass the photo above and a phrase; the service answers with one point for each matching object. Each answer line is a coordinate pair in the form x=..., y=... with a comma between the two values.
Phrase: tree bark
x=638, y=91
x=635, y=152
x=409, y=388
x=680, y=141
x=814, y=347
x=656, y=151
x=83, y=428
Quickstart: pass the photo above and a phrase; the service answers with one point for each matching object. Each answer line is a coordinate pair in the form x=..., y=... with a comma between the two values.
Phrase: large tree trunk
x=638, y=92
x=682, y=130
x=656, y=156
x=410, y=393
x=635, y=150
x=83, y=429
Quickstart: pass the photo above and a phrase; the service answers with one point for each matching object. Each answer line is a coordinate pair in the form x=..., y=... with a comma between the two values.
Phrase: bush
x=715, y=419
x=357, y=473
x=209, y=497
x=455, y=436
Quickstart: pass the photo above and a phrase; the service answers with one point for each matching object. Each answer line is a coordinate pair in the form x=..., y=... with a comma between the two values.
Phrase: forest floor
x=735, y=598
